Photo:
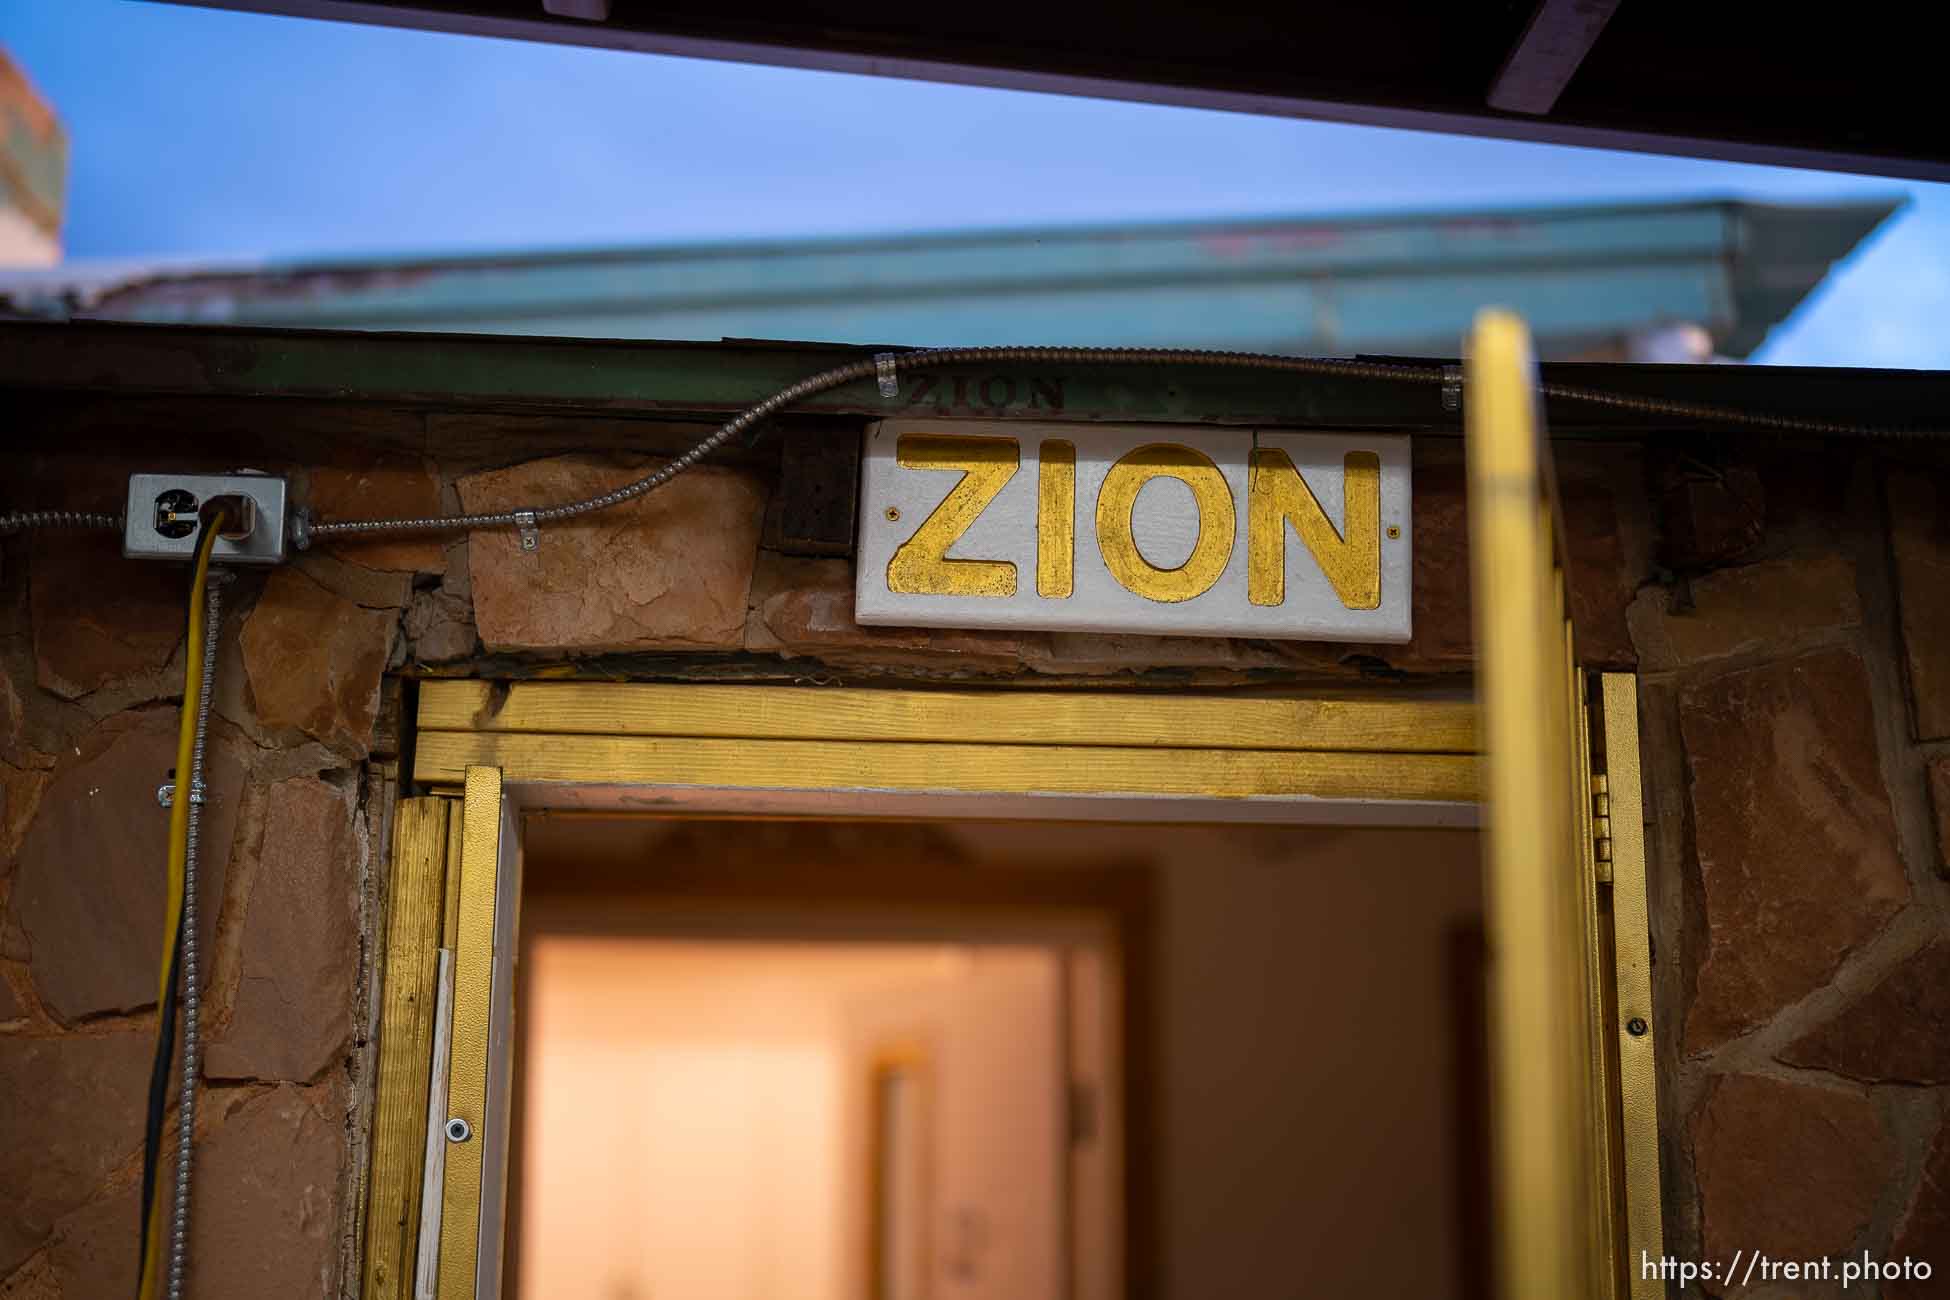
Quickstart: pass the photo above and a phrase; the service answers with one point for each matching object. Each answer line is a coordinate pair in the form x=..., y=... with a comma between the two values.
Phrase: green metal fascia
x=676, y=380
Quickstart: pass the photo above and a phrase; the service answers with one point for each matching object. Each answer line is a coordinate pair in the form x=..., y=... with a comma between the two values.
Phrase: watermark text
x=1758, y=1268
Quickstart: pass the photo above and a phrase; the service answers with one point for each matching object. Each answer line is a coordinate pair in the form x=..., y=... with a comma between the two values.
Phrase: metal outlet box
x=155, y=526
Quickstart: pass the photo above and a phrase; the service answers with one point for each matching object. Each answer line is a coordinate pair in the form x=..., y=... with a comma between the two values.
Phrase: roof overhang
x=1584, y=278
x=1711, y=81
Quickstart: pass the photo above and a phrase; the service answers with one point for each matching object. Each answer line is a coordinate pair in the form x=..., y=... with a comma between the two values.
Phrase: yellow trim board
x=1534, y=877
x=450, y=899
x=419, y=868
x=1287, y=721
x=444, y=757
x=467, y=1081
x=1638, y=1075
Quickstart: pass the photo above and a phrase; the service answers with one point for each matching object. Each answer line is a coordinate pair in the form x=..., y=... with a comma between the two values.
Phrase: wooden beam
x=1545, y=58
x=444, y=757
x=1414, y=725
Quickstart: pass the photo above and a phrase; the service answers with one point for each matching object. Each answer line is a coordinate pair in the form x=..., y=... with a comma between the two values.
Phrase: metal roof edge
x=1784, y=252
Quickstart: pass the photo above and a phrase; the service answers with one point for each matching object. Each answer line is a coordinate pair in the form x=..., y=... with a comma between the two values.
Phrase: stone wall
x=91, y=657
x=1795, y=671
x=1800, y=921
x=693, y=568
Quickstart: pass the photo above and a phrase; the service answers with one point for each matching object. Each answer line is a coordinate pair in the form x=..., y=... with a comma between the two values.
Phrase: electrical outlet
x=161, y=522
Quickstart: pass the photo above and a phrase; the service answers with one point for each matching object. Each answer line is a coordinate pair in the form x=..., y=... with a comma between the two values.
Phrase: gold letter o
x=1216, y=522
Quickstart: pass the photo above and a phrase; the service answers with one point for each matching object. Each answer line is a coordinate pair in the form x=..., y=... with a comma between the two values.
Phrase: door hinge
x=1601, y=828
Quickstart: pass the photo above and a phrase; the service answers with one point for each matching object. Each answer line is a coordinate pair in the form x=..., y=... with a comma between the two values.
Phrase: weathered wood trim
x=1404, y=724
x=405, y=1040
x=1638, y=1072
x=467, y=1082
x=445, y=756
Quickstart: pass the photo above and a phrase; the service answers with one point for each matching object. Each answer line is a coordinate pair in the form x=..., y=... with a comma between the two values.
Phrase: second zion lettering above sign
x=1116, y=528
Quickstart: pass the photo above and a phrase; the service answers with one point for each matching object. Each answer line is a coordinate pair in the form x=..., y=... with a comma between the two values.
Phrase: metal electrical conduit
x=164, y=1256
x=886, y=365
x=179, y=1226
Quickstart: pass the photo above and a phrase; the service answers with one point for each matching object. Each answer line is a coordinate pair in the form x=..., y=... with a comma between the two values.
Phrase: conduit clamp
x=531, y=536
x=166, y=793
x=890, y=384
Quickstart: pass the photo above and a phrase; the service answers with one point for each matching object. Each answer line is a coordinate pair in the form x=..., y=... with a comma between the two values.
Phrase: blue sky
x=201, y=133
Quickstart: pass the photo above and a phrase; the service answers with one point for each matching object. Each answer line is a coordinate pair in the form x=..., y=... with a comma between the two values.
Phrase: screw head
x=1636, y=1026
x=893, y=514
x=458, y=1130
x=1394, y=532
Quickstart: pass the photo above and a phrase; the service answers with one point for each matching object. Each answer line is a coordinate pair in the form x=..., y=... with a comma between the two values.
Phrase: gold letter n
x=1277, y=496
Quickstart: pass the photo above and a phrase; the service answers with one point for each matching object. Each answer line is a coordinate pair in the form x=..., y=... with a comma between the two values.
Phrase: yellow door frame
x=1574, y=1107
x=1380, y=756
x=1573, y=1087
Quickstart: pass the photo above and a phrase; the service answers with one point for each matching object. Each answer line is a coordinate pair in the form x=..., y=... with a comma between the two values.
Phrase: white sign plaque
x=1165, y=529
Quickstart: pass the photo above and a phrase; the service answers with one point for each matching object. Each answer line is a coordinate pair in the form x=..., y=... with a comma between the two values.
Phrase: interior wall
x=665, y=1168
x=1307, y=1114
x=695, y=1110
x=986, y=1044
x=1304, y=1050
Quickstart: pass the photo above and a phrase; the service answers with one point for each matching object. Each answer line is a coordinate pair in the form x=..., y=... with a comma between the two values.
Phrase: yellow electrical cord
x=179, y=838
